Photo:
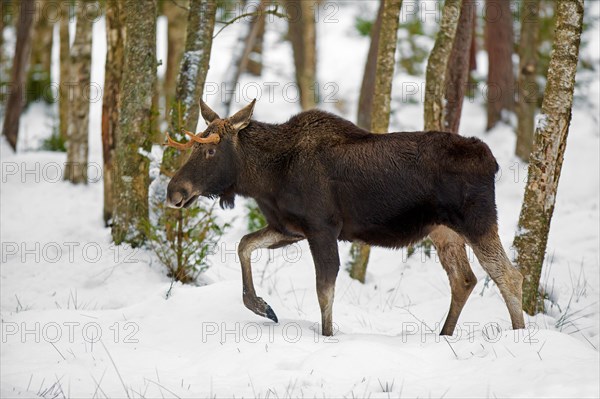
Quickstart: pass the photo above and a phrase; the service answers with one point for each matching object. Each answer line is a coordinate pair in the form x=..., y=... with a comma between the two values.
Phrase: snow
x=82, y=318
x=541, y=122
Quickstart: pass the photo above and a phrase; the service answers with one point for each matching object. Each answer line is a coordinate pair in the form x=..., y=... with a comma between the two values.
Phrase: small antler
x=213, y=138
x=180, y=146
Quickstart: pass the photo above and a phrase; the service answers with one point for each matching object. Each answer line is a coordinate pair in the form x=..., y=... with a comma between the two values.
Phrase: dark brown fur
x=320, y=177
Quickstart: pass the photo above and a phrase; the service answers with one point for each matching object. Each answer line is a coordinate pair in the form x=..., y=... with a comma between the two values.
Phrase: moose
x=321, y=178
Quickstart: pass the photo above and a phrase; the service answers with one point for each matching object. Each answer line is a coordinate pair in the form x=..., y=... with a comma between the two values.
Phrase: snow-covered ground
x=81, y=318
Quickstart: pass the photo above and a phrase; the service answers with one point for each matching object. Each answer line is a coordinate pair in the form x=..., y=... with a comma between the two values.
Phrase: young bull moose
x=321, y=178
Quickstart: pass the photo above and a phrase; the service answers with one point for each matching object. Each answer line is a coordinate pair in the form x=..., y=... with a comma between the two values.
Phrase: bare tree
x=247, y=37
x=79, y=106
x=134, y=134
x=499, y=44
x=527, y=82
x=115, y=38
x=14, y=105
x=377, y=90
x=177, y=17
x=38, y=75
x=437, y=65
x=65, y=64
x=546, y=159
x=192, y=76
x=303, y=36
x=255, y=63
x=457, y=73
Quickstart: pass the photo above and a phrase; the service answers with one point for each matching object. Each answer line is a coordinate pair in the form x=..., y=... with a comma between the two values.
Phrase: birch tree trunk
x=381, y=72
x=548, y=152
x=192, y=76
x=65, y=63
x=527, y=83
x=437, y=65
x=303, y=36
x=115, y=37
x=15, y=102
x=79, y=104
x=135, y=122
x=499, y=45
x=457, y=73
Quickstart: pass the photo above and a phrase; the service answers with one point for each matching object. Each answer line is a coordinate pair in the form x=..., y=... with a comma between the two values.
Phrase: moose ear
x=208, y=114
x=242, y=118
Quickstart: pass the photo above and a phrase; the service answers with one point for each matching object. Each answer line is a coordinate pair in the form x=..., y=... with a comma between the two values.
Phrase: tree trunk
x=527, y=83
x=38, y=75
x=115, y=37
x=247, y=37
x=548, y=152
x=192, y=76
x=437, y=65
x=79, y=104
x=255, y=64
x=65, y=64
x=377, y=90
x=458, y=68
x=303, y=36
x=499, y=44
x=14, y=105
x=177, y=18
x=135, y=120
x=473, y=50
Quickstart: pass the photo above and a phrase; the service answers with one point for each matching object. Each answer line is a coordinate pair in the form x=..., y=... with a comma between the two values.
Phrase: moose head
x=211, y=169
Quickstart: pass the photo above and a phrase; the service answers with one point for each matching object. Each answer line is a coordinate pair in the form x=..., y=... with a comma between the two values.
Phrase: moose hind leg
x=325, y=254
x=264, y=238
x=495, y=262
x=450, y=248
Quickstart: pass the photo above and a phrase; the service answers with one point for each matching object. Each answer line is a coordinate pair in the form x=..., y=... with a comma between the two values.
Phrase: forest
x=107, y=291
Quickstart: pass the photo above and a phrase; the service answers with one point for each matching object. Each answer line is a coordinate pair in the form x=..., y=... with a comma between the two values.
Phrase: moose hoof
x=260, y=307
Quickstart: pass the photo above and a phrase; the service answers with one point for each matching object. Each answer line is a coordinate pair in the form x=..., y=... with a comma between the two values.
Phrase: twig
x=54, y=346
x=116, y=369
x=453, y=351
x=249, y=14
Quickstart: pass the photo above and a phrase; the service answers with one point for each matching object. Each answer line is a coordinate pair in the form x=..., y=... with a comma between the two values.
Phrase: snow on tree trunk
x=499, y=44
x=15, y=102
x=192, y=76
x=115, y=37
x=135, y=120
x=548, y=151
x=437, y=65
x=65, y=63
x=377, y=87
x=79, y=104
x=303, y=36
x=527, y=83
x=457, y=74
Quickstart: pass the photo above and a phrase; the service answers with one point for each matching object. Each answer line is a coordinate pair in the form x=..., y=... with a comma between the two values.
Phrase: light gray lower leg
x=451, y=250
x=264, y=238
x=509, y=280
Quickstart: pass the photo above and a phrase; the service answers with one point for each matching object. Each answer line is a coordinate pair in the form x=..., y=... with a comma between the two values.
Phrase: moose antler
x=211, y=139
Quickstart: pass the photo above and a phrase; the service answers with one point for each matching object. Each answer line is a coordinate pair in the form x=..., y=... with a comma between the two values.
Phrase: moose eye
x=210, y=152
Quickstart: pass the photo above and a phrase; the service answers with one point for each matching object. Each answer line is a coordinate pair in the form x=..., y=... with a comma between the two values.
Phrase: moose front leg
x=264, y=238
x=325, y=254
